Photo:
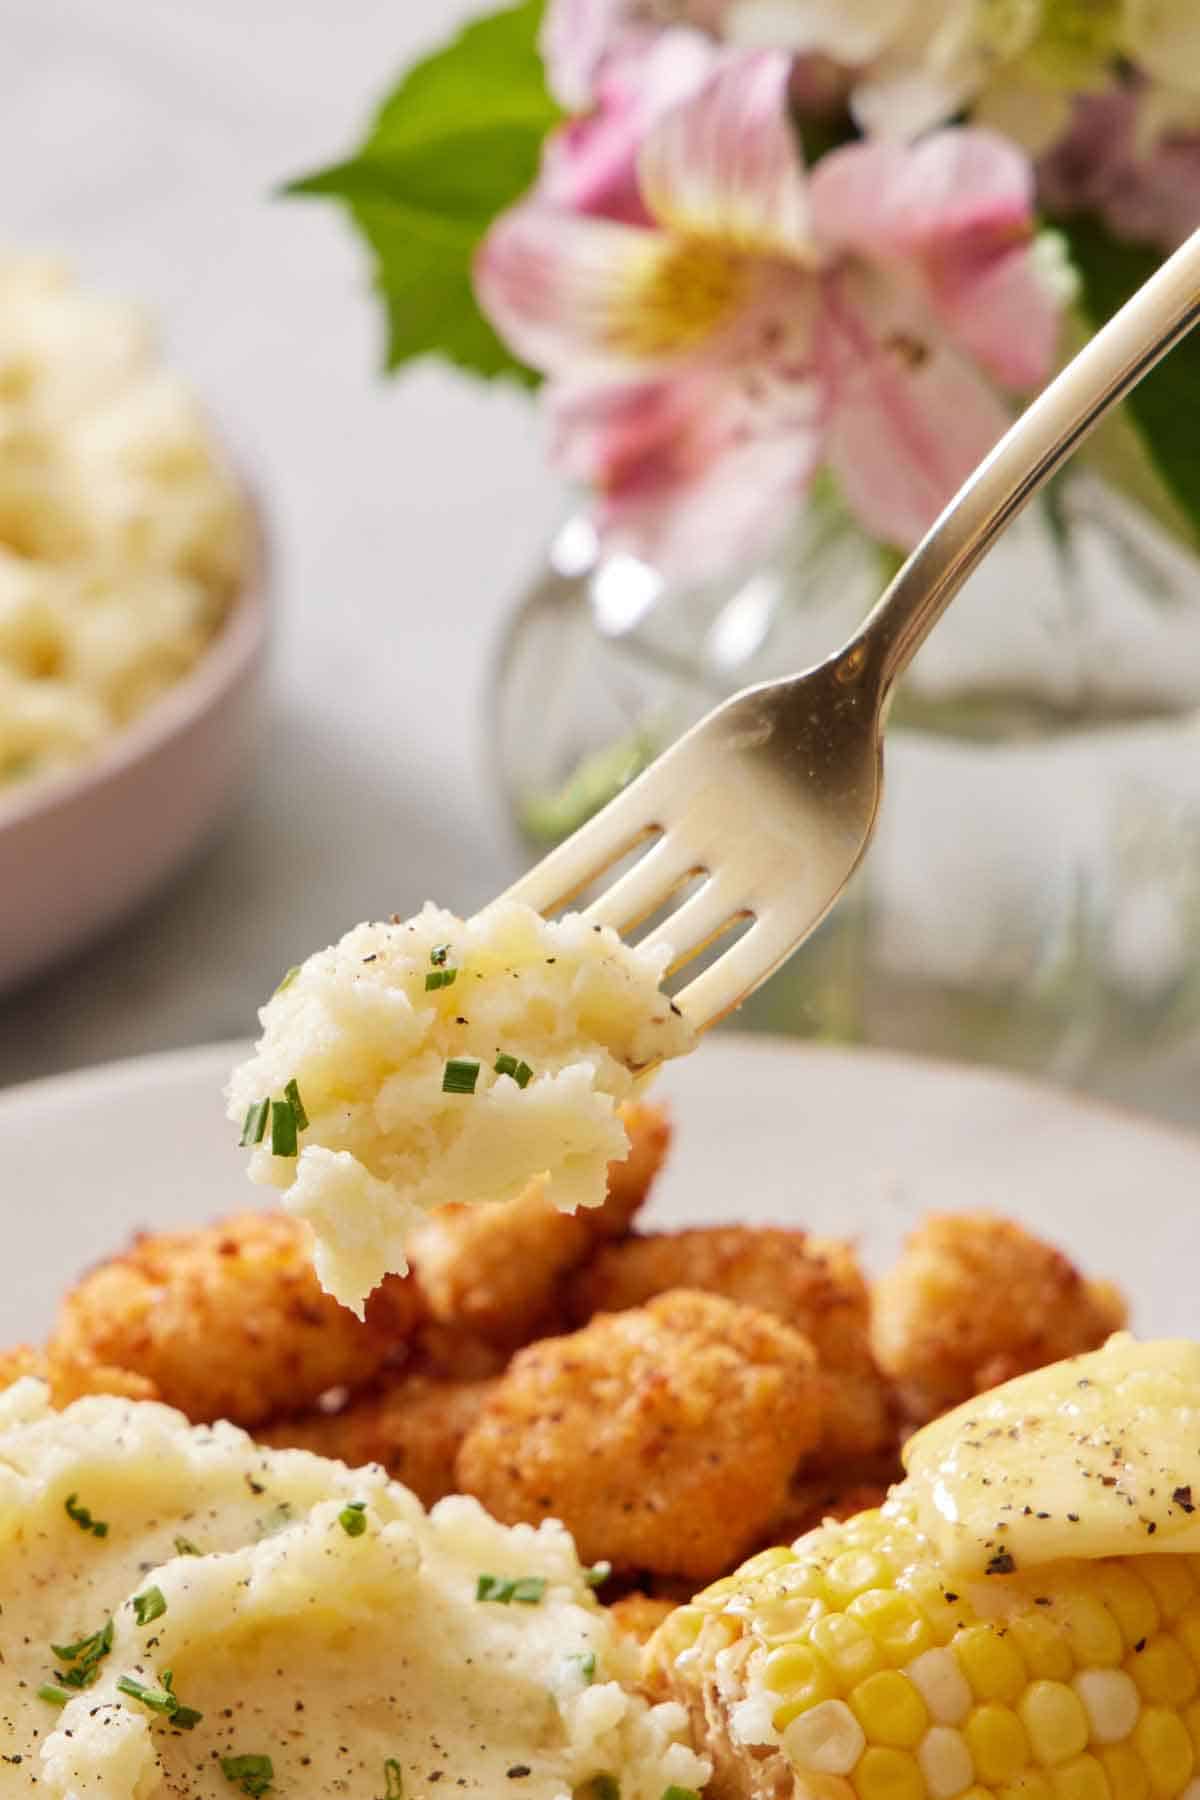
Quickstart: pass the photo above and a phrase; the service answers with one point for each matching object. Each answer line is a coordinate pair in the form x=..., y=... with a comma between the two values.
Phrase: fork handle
x=1034, y=448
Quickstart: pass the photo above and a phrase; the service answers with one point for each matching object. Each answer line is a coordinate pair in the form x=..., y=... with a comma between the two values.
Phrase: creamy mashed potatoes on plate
x=123, y=535
x=185, y=1612
x=436, y=1059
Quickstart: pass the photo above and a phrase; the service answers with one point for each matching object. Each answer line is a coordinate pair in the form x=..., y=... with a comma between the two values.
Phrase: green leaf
x=1165, y=406
x=457, y=142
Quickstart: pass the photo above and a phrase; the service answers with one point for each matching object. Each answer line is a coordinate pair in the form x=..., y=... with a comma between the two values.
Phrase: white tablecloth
x=145, y=142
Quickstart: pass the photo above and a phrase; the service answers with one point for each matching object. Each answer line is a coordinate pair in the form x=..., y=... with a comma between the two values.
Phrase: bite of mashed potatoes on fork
x=433, y=1060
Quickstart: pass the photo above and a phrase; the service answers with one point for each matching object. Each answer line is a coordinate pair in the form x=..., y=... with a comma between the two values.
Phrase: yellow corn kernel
x=1161, y=1739
x=1126, y=1776
x=679, y=1631
x=889, y=1775
x=850, y=1652
x=826, y=1740
x=1163, y=1671
x=942, y=1685
x=801, y=1679
x=945, y=1762
x=853, y=1572
x=990, y=1663
x=890, y=1710
x=1082, y=1779
x=1111, y=1701
x=1054, y=1720
x=997, y=1741
x=764, y=1563
x=1187, y=1630
x=1045, y=1650
x=782, y=1619
x=1031, y=1784
x=943, y=1614
x=894, y=1622
x=1129, y=1601
x=1171, y=1582
x=1091, y=1631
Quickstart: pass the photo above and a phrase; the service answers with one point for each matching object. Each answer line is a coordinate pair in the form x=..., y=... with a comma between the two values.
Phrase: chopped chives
x=598, y=1574
x=438, y=955
x=283, y=1129
x=83, y=1517
x=586, y=1660
x=55, y=1696
x=460, y=1076
x=353, y=1518
x=525, y=1590
x=439, y=978
x=255, y=1123
x=185, y=1547
x=149, y=1606
x=679, y=1793
x=84, y=1656
x=292, y=1093
x=600, y=1787
x=253, y=1774
x=287, y=980
x=521, y=1072
x=159, y=1700
x=393, y=1780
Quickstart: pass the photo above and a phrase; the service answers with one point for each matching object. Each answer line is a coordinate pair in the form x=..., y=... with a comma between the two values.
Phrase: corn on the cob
x=851, y=1667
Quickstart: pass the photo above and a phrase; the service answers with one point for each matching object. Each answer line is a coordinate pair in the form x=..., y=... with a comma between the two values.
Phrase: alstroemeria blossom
x=766, y=319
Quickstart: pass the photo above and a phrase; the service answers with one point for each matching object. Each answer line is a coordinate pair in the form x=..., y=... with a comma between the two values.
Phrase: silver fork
x=772, y=798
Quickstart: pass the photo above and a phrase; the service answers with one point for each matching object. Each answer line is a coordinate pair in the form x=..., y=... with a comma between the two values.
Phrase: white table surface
x=144, y=142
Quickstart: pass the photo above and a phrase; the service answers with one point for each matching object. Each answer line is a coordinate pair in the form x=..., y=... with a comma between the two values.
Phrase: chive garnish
x=287, y=980
x=255, y=1124
x=587, y=1664
x=600, y=1787
x=185, y=1547
x=353, y=1518
x=253, y=1774
x=83, y=1517
x=55, y=1696
x=598, y=1574
x=438, y=955
x=292, y=1094
x=393, y=1780
x=526, y=1590
x=679, y=1793
x=283, y=1129
x=161, y=1700
x=439, y=978
x=460, y=1076
x=521, y=1072
x=84, y=1656
x=149, y=1606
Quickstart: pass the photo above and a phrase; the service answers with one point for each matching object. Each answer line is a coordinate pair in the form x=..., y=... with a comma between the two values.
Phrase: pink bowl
x=79, y=850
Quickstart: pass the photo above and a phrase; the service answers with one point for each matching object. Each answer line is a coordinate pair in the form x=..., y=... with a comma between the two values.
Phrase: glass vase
x=1033, y=894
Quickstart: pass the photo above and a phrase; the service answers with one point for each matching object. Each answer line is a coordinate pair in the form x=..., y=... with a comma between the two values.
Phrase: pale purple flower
x=1144, y=192
x=758, y=320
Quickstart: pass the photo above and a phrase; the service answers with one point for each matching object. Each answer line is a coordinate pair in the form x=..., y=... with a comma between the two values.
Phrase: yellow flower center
x=689, y=292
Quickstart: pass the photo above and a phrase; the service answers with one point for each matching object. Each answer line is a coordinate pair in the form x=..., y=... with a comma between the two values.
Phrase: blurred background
x=146, y=146
x=459, y=669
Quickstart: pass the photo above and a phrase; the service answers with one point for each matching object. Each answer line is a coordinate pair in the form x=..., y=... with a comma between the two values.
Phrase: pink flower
x=757, y=320
x=1145, y=193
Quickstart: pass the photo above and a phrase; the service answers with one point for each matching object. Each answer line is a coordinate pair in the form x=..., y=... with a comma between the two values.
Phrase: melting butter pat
x=1096, y=1456
x=439, y=1059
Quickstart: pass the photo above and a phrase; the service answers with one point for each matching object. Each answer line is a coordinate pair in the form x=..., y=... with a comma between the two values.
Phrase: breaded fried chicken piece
x=663, y=1437
x=72, y=1377
x=975, y=1300
x=837, y=1495
x=496, y=1271
x=414, y=1427
x=813, y=1284
x=639, y=1615
x=228, y=1321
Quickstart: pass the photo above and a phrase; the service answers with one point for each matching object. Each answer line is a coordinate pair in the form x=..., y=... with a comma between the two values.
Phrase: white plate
x=843, y=1141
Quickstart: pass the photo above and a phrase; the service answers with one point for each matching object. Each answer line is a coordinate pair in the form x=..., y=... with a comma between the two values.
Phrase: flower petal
x=727, y=162
x=910, y=418
x=576, y=35
x=590, y=165
x=884, y=198
x=587, y=297
x=1006, y=310
x=687, y=478
x=852, y=31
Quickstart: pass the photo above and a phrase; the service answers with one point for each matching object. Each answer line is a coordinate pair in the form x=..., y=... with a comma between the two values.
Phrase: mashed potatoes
x=281, y=1624
x=122, y=536
x=438, y=1060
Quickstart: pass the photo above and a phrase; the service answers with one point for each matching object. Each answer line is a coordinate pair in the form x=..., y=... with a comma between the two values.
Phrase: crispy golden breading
x=495, y=1271
x=663, y=1437
x=413, y=1426
x=975, y=1300
x=639, y=1615
x=445, y=1354
x=228, y=1321
x=71, y=1377
x=813, y=1284
x=837, y=1495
